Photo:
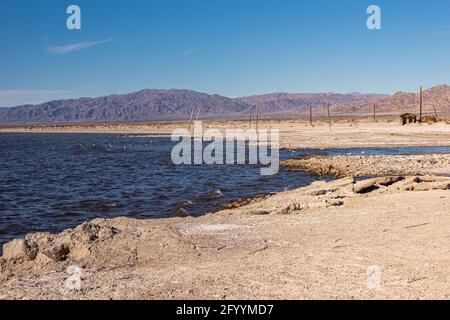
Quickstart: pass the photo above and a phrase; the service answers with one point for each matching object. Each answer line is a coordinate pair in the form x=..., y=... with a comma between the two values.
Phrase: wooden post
x=435, y=112
x=257, y=117
x=198, y=113
x=329, y=116
x=421, y=104
x=190, y=119
x=250, y=121
x=374, y=112
x=310, y=117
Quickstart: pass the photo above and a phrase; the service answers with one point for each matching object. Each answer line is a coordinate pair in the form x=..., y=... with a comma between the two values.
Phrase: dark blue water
x=49, y=182
x=373, y=151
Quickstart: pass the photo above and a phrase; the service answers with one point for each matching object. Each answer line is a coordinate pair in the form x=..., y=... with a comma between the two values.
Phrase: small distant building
x=408, y=118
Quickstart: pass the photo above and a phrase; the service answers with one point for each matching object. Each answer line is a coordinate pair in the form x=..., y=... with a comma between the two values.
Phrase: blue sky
x=229, y=47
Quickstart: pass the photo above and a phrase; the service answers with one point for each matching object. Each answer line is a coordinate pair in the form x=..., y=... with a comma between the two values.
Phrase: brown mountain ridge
x=175, y=104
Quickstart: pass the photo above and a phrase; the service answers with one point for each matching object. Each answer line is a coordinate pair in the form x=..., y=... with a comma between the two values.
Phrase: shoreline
x=294, y=134
x=315, y=242
x=293, y=244
x=372, y=165
x=296, y=148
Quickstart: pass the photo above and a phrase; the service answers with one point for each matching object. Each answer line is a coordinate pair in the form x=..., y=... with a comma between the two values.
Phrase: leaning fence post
x=329, y=116
x=257, y=117
x=190, y=119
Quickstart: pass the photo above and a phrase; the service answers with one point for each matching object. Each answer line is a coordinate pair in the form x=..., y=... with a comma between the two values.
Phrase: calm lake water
x=49, y=182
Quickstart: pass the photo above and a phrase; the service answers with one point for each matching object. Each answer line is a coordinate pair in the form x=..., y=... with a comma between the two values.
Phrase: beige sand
x=313, y=243
x=365, y=166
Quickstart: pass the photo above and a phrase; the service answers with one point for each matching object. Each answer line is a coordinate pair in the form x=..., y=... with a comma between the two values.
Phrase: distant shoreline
x=294, y=134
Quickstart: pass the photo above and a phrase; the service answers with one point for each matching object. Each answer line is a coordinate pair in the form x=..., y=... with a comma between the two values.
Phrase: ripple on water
x=50, y=182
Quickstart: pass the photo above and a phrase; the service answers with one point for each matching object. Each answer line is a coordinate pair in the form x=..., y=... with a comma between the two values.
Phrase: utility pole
x=310, y=116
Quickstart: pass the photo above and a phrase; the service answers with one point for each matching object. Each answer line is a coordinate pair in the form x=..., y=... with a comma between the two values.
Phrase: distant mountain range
x=434, y=98
x=174, y=104
x=145, y=105
x=278, y=102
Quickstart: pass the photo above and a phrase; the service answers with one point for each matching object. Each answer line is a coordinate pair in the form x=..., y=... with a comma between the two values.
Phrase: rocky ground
x=365, y=166
x=322, y=241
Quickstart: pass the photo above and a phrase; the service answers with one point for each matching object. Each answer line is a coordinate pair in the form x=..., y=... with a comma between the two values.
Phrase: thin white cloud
x=75, y=47
x=11, y=98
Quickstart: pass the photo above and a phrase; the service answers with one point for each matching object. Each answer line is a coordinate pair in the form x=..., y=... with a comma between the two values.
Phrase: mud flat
x=364, y=166
x=311, y=243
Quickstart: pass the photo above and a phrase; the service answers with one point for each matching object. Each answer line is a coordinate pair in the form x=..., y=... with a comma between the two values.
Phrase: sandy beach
x=324, y=241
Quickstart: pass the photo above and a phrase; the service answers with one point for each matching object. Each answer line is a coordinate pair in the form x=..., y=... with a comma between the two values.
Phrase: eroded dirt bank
x=312, y=243
x=364, y=166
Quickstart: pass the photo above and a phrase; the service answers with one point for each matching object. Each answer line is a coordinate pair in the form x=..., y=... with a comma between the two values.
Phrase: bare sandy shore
x=319, y=242
x=293, y=133
x=365, y=166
